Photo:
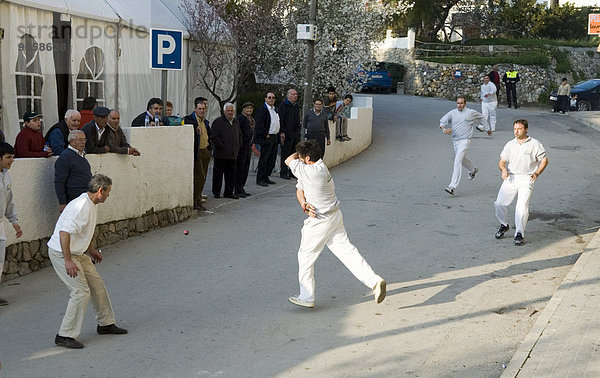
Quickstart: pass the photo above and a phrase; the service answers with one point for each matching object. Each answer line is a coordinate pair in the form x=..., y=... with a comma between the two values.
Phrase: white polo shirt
x=274, y=126
x=317, y=184
x=523, y=159
x=79, y=220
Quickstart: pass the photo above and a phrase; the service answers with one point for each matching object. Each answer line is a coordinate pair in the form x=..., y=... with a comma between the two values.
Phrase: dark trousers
x=287, y=148
x=320, y=138
x=243, y=165
x=268, y=156
x=223, y=167
x=511, y=95
x=563, y=103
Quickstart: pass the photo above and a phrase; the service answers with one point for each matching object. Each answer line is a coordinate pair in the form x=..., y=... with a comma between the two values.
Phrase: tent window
x=90, y=80
x=28, y=75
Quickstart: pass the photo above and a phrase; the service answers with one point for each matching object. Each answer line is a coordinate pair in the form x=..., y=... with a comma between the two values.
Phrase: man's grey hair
x=99, y=181
x=228, y=104
x=114, y=110
x=73, y=134
x=70, y=113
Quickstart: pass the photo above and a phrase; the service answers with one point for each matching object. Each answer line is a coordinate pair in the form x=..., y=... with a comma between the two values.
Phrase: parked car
x=585, y=95
x=380, y=78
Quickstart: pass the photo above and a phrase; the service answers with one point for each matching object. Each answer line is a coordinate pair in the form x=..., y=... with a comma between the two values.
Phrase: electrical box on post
x=306, y=31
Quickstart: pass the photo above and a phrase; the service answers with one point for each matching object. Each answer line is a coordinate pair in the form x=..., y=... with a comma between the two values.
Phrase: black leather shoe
x=67, y=342
x=241, y=195
x=262, y=183
x=247, y=194
x=111, y=329
x=285, y=177
x=3, y=302
x=217, y=196
x=271, y=182
x=232, y=196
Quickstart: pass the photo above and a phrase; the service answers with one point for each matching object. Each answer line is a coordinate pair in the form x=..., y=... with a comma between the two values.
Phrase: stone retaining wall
x=437, y=79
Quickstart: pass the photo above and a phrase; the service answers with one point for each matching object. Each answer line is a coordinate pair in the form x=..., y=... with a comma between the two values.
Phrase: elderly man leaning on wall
x=72, y=172
x=96, y=133
x=58, y=134
x=117, y=142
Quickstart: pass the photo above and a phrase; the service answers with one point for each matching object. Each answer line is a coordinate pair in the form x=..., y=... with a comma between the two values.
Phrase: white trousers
x=88, y=284
x=488, y=110
x=460, y=159
x=2, y=253
x=522, y=187
x=329, y=231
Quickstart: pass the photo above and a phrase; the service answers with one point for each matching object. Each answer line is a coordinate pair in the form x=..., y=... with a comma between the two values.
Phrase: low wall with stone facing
x=437, y=79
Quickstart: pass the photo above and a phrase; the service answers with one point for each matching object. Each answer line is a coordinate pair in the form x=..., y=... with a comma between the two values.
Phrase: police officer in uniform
x=510, y=79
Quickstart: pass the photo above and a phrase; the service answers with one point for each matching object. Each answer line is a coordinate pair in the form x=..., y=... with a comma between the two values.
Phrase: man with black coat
x=268, y=135
x=58, y=134
x=96, y=132
x=289, y=114
x=247, y=124
x=202, y=149
x=226, y=139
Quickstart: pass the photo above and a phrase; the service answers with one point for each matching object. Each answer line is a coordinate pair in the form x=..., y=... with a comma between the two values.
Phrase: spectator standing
x=329, y=103
x=226, y=139
x=116, y=140
x=7, y=157
x=460, y=122
x=489, y=103
x=342, y=113
x=495, y=79
x=289, y=116
x=153, y=111
x=315, y=192
x=30, y=142
x=522, y=161
x=96, y=133
x=87, y=114
x=268, y=135
x=563, y=103
x=72, y=172
x=317, y=126
x=247, y=124
x=202, y=149
x=67, y=246
x=58, y=134
x=510, y=79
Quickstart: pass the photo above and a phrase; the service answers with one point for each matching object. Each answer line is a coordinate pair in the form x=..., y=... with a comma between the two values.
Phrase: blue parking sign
x=166, y=49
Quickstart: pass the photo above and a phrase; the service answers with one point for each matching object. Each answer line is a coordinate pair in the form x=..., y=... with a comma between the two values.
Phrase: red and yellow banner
x=594, y=24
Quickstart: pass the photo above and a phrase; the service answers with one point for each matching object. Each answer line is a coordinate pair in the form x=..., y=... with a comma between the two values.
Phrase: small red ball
x=186, y=232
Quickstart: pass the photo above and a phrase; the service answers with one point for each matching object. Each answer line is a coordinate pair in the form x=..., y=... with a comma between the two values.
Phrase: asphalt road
x=214, y=303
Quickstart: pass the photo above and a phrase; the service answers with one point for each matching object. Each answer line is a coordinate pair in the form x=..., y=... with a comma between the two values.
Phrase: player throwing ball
x=324, y=225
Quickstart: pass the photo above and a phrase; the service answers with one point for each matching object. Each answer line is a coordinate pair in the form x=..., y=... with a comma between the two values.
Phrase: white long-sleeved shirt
x=462, y=122
x=79, y=220
x=6, y=202
x=489, y=88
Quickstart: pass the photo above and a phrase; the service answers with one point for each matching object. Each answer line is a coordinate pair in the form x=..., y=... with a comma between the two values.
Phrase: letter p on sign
x=166, y=47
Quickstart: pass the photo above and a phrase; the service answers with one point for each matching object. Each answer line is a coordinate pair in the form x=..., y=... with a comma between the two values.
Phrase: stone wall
x=437, y=79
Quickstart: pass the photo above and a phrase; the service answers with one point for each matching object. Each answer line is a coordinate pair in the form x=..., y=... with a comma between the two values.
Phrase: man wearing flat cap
x=247, y=124
x=96, y=133
x=30, y=141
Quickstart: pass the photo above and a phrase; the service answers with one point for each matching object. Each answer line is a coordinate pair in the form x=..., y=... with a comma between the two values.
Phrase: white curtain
x=17, y=21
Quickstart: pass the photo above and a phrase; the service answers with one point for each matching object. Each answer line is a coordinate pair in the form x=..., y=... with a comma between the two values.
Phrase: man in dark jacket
x=58, y=134
x=289, y=115
x=247, y=124
x=202, y=149
x=153, y=111
x=72, y=172
x=117, y=141
x=226, y=139
x=267, y=133
x=96, y=132
x=510, y=79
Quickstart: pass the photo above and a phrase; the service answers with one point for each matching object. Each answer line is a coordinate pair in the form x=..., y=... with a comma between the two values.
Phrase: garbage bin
x=400, y=87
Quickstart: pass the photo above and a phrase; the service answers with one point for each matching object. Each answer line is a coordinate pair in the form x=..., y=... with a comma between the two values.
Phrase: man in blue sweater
x=72, y=172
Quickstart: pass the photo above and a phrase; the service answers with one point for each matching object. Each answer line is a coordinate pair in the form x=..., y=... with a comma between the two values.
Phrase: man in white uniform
x=324, y=226
x=489, y=103
x=460, y=122
x=71, y=238
x=522, y=161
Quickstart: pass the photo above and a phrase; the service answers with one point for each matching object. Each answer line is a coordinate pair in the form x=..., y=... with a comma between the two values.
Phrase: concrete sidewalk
x=565, y=340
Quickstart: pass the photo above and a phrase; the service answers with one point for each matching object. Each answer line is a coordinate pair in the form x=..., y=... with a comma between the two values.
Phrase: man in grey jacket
x=460, y=122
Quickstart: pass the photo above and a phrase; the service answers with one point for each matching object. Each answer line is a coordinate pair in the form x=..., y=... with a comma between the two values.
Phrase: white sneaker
x=480, y=128
x=450, y=191
x=379, y=291
x=472, y=174
x=298, y=302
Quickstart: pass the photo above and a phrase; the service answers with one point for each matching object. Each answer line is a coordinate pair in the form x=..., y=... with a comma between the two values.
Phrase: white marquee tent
x=105, y=55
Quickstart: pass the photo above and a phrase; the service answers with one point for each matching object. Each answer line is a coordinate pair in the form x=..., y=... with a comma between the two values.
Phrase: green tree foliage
x=564, y=22
x=428, y=17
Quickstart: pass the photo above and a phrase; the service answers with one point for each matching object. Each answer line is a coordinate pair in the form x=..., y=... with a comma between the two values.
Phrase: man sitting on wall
x=117, y=142
x=72, y=172
x=58, y=134
x=153, y=110
x=96, y=133
x=30, y=142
